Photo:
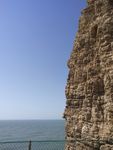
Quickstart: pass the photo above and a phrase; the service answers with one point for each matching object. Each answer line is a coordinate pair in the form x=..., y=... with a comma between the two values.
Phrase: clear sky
x=36, y=39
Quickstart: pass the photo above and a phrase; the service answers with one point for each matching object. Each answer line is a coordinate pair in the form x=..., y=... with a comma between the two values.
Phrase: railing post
x=29, y=148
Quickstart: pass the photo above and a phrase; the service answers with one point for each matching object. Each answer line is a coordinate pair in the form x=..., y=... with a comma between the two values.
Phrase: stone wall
x=89, y=89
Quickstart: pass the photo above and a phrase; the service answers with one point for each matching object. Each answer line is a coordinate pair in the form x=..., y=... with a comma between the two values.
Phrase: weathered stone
x=106, y=147
x=89, y=89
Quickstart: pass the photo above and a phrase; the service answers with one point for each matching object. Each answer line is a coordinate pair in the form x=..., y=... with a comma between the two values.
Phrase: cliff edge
x=89, y=89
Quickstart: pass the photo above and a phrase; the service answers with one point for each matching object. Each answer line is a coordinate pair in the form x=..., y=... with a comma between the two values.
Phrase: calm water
x=31, y=130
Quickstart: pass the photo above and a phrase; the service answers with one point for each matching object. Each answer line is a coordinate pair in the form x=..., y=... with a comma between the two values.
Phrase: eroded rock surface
x=89, y=90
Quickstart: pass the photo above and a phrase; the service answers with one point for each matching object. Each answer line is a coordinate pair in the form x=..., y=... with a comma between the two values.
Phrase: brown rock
x=89, y=89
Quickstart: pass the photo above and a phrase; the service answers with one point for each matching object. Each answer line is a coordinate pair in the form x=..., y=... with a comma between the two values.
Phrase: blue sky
x=36, y=39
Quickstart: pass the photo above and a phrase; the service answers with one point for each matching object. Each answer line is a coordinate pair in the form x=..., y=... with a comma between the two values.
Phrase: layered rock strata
x=89, y=90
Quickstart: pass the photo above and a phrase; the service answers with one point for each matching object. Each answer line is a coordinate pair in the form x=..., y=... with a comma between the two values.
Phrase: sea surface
x=33, y=130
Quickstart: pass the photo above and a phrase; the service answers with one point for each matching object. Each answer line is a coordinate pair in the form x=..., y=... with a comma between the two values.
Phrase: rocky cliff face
x=89, y=90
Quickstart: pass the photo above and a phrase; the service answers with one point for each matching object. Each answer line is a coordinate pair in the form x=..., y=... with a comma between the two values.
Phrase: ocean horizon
x=34, y=130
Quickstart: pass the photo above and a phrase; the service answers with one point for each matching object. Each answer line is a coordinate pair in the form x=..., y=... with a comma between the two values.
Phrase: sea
x=34, y=130
x=13, y=132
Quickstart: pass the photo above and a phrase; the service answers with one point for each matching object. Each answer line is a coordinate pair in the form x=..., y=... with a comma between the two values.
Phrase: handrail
x=43, y=141
x=32, y=141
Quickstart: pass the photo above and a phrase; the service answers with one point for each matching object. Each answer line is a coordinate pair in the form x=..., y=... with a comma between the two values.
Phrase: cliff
x=89, y=89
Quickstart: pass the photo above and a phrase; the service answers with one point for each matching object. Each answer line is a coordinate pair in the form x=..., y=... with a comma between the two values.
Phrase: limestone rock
x=89, y=89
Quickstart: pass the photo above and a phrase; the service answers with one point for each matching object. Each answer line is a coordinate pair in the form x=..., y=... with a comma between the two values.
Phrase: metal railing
x=33, y=145
x=50, y=144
